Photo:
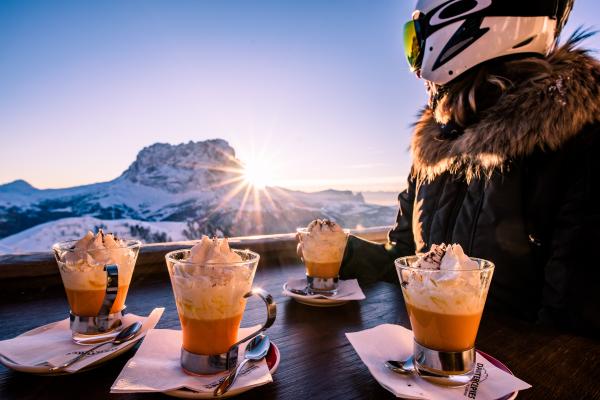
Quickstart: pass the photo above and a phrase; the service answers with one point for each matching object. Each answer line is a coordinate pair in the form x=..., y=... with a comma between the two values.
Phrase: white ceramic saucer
x=44, y=369
x=273, y=358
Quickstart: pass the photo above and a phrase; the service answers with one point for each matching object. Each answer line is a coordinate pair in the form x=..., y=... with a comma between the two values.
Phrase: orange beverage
x=209, y=336
x=444, y=293
x=90, y=267
x=211, y=284
x=322, y=269
x=443, y=331
x=87, y=303
x=322, y=244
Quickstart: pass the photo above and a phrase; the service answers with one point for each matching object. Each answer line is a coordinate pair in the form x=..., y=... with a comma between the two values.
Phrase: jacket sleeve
x=571, y=293
x=370, y=261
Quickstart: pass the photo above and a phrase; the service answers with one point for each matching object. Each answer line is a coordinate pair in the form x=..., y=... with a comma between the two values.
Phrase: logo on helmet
x=457, y=9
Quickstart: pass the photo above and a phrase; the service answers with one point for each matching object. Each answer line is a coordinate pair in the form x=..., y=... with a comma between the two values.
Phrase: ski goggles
x=413, y=44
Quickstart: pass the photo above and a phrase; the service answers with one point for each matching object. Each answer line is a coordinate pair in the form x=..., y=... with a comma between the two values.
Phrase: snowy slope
x=43, y=236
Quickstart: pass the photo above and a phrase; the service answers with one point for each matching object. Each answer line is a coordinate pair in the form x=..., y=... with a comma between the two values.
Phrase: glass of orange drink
x=322, y=243
x=445, y=307
x=211, y=298
x=96, y=272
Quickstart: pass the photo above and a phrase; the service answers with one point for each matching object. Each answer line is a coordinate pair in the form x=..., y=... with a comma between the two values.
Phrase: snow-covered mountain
x=191, y=185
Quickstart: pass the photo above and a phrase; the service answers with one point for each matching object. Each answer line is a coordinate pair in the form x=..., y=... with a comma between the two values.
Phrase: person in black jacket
x=506, y=158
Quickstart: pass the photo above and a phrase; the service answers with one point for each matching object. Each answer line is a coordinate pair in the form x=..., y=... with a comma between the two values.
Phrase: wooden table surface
x=317, y=362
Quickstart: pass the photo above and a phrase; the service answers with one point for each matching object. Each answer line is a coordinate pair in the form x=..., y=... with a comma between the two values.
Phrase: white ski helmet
x=448, y=37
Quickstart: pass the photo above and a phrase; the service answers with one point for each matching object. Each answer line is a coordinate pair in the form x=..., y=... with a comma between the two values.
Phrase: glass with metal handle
x=96, y=282
x=211, y=299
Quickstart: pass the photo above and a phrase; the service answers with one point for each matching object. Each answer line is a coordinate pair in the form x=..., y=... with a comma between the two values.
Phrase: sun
x=253, y=181
x=258, y=173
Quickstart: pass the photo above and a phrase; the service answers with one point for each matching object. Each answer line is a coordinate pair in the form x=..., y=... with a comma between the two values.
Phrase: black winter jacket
x=519, y=188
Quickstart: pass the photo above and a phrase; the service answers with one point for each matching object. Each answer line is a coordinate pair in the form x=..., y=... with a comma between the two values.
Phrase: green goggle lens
x=412, y=45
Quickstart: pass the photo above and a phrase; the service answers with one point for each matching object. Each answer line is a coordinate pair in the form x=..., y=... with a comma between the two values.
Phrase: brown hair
x=463, y=99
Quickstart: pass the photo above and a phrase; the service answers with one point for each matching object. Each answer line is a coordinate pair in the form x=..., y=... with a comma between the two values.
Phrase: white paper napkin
x=53, y=344
x=347, y=290
x=393, y=342
x=156, y=368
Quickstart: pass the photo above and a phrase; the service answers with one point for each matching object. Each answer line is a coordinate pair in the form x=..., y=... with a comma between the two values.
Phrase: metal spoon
x=256, y=350
x=306, y=292
x=301, y=292
x=406, y=367
x=125, y=335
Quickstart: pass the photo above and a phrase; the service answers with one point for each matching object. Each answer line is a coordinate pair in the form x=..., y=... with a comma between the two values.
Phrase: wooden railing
x=41, y=267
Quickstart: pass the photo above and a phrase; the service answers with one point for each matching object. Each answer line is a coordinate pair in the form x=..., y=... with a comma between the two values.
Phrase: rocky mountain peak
x=183, y=167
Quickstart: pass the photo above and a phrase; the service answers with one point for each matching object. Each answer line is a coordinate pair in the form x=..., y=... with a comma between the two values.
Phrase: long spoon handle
x=79, y=357
x=229, y=379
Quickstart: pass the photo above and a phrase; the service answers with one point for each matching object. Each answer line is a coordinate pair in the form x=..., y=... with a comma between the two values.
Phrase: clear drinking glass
x=96, y=282
x=444, y=307
x=211, y=299
x=322, y=267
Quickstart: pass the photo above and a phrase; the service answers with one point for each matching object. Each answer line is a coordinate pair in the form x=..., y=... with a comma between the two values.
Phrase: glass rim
x=62, y=246
x=485, y=265
x=255, y=257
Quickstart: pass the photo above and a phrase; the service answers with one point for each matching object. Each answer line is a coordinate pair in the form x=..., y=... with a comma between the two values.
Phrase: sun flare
x=253, y=186
x=258, y=173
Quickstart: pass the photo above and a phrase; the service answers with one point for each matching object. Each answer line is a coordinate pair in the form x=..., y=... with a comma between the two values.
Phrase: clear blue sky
x=321, y=86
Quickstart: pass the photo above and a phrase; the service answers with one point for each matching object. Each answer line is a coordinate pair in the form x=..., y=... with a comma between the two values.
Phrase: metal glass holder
x=104, y=321
x=448, y=368
x=324, y=286
x=200, y=364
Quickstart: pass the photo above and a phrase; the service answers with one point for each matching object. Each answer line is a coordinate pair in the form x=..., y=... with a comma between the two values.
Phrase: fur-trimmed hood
x=534, y=115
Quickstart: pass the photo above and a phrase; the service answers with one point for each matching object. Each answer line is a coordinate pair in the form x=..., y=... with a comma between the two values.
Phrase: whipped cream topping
x=447, y=281
x=323, y=241
x=210, y=284
x=445, y=257
x=82, y=267
x=213, y=251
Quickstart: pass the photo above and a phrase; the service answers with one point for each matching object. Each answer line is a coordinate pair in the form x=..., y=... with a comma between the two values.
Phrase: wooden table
x=317, y=362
